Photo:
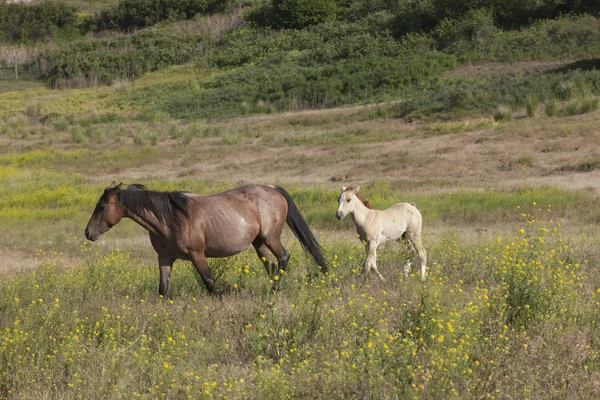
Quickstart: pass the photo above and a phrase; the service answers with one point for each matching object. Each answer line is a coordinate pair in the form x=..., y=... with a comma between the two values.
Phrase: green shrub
x=77, y=135
x=475, y=25
x=295, y=14
x=531, y=104
x=582, y=105
x=60, y=124
x=417, y=15
x=568, y=37
x=485, y=94
x=503, y=113
x=135, y=14
x=551, y=107
x=35, y=21
x=105, y=60
x=284, y=86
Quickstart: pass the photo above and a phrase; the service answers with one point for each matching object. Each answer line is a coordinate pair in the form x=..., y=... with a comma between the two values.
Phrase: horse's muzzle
x=339, y=215
x=89, y=237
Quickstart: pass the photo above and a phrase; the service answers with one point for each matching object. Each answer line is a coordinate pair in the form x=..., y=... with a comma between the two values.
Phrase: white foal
x=374, y=227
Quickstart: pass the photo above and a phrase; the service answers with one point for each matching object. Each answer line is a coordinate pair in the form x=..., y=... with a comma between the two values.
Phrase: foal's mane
x=165, y=205
x=367, y=203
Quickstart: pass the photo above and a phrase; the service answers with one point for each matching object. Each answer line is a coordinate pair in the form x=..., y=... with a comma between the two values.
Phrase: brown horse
x=192, y=227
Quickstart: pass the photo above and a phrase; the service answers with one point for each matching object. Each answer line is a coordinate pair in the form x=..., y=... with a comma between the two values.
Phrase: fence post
x=16, y=69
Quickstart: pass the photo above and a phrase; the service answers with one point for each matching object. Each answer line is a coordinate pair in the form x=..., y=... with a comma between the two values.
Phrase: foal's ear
x=343, y=189
x=357, y=189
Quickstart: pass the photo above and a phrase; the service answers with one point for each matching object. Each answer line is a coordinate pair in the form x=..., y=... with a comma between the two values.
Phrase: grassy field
x=501, y=159
x=510, y=309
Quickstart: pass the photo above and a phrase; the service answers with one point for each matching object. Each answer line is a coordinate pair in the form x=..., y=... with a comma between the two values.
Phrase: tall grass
x=99, y=330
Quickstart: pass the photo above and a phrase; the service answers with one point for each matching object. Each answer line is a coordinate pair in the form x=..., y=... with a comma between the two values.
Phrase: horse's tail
x=302, y=231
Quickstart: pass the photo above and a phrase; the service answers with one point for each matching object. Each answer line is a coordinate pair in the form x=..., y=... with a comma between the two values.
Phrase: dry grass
x=23, y=54
x=213, y=26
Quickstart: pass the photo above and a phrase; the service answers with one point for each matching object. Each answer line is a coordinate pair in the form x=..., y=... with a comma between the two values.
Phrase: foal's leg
x=409, y=263
x=199, y=261
x=415, y=241
x=371, y=261
x=165, y=264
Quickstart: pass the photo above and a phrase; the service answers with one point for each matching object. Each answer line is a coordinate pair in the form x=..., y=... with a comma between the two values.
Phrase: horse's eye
x=348, y=201
x=101, y=208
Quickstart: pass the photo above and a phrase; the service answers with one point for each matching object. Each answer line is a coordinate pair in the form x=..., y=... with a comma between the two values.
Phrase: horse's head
x=108, y=212
x=347, y=201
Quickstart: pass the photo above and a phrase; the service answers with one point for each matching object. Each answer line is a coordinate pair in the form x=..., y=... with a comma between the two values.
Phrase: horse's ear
x=112, y=185
x=117, y=188
x=343, y=189
x=357, y=189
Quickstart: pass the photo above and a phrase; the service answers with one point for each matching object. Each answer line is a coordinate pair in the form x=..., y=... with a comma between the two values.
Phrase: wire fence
x=9, y=73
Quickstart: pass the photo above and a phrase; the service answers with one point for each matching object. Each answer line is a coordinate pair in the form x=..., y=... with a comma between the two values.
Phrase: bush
x=107, y=60
x=325, y=43
x=569, y=37
x=551, y=107
x=582, y=105
x=503, y=113
x=34, y=22
x=531, y=104
x=135, y=14
x=475, y=25
x=485, y=94
x=295, y=14
x=284, y=86
x=418, y=15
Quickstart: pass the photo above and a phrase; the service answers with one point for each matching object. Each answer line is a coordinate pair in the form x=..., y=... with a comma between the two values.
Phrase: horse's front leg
x=371, y=261
x=165, y=265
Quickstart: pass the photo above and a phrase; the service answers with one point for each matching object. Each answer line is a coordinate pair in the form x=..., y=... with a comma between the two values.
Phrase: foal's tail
x=302, y=231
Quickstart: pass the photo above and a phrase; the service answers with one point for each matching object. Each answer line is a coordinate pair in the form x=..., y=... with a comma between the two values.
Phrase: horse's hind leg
x=283, y=257
x=201, y=265
x=262, y=251
x=408, y=264
x=420, y=252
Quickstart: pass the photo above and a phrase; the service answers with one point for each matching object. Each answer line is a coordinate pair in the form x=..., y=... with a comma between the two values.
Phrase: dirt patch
x=516, y=69
x=528, y=151
x=14, y=260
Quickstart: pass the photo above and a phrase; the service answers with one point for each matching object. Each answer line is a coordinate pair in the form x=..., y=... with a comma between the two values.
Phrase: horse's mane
x=367, y=203
x=164, y=205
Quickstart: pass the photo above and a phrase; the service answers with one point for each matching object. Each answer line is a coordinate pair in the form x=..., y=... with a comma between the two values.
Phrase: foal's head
x=108, y=212
x=347, y=201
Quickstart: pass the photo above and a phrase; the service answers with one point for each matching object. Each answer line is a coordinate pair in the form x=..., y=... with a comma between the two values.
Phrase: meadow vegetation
x=498, y=317
x=487, y=120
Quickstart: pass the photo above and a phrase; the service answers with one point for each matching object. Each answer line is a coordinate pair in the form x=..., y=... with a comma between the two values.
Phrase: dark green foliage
x=474, y=26
x=426, y=15
x=34, y=22
x=105, y=60
x=135, y=14
x=573, y=37
x=462, y=95
x=285, y=86
x=294, y=14
x=316, y=45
